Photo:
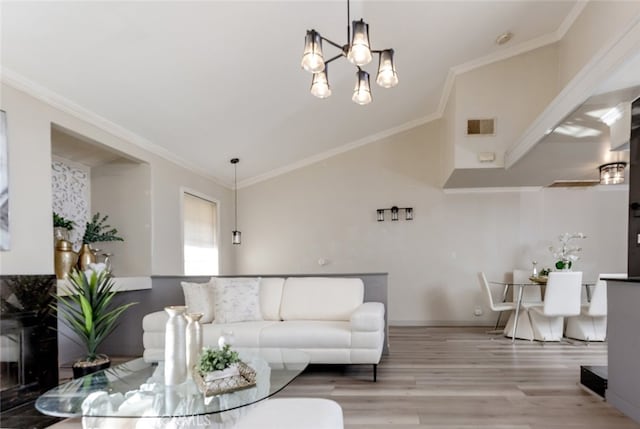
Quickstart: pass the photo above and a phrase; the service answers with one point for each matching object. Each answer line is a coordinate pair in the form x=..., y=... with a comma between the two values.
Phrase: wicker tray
x=245, y=379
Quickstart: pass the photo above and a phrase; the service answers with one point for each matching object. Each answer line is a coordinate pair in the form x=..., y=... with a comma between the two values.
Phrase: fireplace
x=28, y=339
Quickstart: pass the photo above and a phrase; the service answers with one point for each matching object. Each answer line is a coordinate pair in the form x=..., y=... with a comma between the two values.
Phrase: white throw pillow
x=200, y=298
x=237, y=300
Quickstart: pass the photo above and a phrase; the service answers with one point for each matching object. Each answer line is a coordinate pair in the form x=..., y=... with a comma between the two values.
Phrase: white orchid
x=567, y=252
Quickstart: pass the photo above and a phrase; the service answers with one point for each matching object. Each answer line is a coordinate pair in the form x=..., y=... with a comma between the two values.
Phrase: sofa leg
x=375, y=372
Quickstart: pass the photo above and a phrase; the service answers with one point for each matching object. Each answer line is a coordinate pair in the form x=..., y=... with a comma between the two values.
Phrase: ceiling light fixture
x=236, y=236
x=357, y=51
x=612, y=173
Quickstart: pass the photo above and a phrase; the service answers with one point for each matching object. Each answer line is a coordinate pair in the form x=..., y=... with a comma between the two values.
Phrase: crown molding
x=336, y=151
x=568, y=21
x=492, y=190
x=55, y=100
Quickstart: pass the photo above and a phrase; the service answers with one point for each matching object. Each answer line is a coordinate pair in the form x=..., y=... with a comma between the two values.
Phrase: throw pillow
x=237, y=300
x=200, y=298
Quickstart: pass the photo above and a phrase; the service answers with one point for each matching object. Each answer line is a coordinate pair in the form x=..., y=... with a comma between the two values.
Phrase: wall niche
x=90, y=177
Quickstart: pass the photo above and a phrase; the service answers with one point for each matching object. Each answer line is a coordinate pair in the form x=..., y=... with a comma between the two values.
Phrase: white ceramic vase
x=175, y=346
x=194, y=340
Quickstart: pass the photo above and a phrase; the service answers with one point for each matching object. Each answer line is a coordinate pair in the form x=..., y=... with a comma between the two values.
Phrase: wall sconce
x=612, y=173
x=408, y=213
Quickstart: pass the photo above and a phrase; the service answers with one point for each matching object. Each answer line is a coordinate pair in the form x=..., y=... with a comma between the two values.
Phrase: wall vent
x=573, y=183
x=481, y=127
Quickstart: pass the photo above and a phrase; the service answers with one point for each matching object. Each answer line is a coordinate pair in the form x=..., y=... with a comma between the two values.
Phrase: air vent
x=481, y=127
x=573, y=183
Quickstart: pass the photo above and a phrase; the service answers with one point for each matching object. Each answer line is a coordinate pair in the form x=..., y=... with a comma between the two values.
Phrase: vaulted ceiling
x=208, y=81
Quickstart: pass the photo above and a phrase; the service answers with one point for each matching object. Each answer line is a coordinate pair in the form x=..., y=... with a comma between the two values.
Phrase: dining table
x=533, y=281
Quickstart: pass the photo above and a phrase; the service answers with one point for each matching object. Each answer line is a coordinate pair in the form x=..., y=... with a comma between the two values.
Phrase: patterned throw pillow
x=200, y=298
x=237, y=300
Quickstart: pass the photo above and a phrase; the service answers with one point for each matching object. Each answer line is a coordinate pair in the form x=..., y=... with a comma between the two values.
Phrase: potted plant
x=566, y=254
x=96, y=230
x=61, y=227
x=88, y=311
x=222, y=371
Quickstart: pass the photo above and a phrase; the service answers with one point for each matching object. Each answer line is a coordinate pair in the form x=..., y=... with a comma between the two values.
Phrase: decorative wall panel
x=71, y=195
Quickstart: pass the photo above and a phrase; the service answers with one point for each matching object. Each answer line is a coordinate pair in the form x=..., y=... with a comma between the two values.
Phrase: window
x=200, y=235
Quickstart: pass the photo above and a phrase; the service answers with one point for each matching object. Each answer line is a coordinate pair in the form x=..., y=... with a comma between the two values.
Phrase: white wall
x=595, y=29
x=29, y=128
x=513, y=91
x=120, y=189
x=328, y=210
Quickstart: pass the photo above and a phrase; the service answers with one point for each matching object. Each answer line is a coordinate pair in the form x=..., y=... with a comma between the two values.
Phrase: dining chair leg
x=498, y=321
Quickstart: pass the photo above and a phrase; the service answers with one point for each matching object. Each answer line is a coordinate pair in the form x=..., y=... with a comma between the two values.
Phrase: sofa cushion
x=200, y=298
x=302, y=334
x=317, y=298
x=237, y=300
x=270, y=297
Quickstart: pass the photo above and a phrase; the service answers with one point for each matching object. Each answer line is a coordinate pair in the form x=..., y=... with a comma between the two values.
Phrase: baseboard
x=440, y=323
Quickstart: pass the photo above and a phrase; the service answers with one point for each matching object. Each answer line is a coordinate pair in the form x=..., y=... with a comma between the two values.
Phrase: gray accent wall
x=126, y=340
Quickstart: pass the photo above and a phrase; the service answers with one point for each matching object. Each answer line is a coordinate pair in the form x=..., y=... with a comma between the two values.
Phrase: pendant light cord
x=348, y=24
x=235, y=187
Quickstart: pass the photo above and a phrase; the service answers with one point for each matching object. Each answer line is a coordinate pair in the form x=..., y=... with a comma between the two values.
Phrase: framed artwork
x=4, y=184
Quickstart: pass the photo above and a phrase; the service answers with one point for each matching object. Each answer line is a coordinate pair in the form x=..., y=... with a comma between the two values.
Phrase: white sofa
x=325, y=317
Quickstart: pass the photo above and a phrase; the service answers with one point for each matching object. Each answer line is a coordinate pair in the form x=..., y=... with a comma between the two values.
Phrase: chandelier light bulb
x=360, y=50
x=312, y=58
x=387, y=76
x=320, y=84
x=362, y=91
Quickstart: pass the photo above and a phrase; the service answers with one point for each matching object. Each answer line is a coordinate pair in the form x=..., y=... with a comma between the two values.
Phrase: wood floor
x=464, y=378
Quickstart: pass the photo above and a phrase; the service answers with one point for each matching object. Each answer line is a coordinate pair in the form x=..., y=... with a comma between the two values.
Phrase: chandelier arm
x=332, y=43
x=334, y=58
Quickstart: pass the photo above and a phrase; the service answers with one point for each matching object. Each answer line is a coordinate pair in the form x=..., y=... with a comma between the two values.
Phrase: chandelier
x=357, y=51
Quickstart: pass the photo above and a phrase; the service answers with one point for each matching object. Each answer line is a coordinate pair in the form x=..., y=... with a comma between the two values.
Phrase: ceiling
x=211, y=80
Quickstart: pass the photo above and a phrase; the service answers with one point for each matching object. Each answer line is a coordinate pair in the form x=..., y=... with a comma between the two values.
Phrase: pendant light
x=362, y=90
x=235, y=234
x=357, y=51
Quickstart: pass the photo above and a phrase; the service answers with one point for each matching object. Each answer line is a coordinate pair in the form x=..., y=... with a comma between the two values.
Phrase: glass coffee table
x=136, y=390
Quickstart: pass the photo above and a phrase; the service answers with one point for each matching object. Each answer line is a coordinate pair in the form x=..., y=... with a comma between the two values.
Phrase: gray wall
x=623, y=338
x=126, y=340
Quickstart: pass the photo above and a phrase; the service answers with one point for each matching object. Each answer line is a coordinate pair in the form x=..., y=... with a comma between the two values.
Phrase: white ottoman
x=293, y=413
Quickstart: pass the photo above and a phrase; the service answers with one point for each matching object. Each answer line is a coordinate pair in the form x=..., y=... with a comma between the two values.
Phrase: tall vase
x=194, y=340
x=175, y=346
x=86, y=257
x=64, y=259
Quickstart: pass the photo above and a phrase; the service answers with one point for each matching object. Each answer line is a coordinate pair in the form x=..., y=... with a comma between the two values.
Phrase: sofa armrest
x=155, y=322
x=368, y=317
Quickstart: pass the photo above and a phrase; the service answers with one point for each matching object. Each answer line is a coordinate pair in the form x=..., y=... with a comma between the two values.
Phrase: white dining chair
x=498, y=307
x=561, y=299
x=591, y=323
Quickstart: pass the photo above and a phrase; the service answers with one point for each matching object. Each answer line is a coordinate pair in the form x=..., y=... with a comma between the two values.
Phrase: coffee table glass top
x=136, y=389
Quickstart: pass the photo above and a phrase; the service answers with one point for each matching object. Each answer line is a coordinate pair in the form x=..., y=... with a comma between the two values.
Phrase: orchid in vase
x=567, y=253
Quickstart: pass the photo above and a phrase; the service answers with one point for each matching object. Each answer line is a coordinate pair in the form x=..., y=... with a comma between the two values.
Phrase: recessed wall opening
x=88, y=177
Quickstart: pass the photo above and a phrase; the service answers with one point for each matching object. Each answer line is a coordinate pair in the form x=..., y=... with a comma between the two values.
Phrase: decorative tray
x=542, y=280
x=244, y=378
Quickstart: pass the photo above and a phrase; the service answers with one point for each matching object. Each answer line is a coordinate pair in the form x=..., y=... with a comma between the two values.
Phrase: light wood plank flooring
x=464, y=378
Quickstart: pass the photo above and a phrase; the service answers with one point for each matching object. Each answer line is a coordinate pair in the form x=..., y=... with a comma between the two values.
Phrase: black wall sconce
x=408, y=213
